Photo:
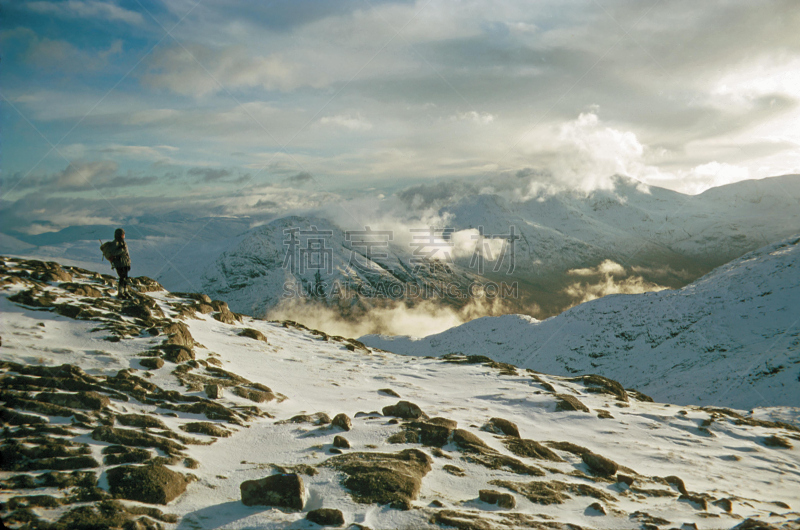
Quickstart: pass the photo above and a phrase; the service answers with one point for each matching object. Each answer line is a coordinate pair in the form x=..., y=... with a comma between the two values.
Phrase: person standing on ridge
x=120, y=260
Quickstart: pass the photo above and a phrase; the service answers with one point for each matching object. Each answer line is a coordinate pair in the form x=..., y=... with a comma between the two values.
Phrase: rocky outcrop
x=153, y=484
x=282, y=491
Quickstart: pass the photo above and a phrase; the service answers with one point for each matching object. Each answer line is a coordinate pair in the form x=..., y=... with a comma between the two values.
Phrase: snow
x=319, y=374
x=730, y=338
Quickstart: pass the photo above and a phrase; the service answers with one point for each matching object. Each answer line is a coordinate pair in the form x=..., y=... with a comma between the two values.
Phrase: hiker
x=120, y=260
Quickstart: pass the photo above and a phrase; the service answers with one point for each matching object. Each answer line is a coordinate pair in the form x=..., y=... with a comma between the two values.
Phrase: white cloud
x=607, y=278
x=105, y=10
x=347, y=121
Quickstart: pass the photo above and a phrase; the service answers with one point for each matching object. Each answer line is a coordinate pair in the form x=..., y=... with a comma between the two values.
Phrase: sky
x=236, y=107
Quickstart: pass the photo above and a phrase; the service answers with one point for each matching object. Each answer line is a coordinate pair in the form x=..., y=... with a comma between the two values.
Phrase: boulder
x=283, y=491
x=501, y=426
x=569, y=403
x=383, y=478
x=342, y=421
x=404, y=409
x=531, y=449
x=326, y=517
x=341, y=442
x=152, y=363
x=252, y=334
x=503, y=500
x=600, y=465
x=213, y=391
x=153, y=484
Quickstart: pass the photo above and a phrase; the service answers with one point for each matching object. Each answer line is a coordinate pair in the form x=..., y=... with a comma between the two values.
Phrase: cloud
x=104, y=10
x=53, y=54
x=300, y=179
x=389, y=318
x=606, y=278
x=209, y=174
x=347, y=121
x=79, y=175
x=197, y=70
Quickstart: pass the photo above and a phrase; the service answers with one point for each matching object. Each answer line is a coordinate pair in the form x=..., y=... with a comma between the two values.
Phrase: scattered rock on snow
x=503, y=500
x=341, y=442
x=569, y=403
x=778, y=442
x=501, y=426
x=342, y=421
x=153, y=484
x=326, y=517
x=405, y=410
x=253, y=334
x=600, y=465
x=284, y=491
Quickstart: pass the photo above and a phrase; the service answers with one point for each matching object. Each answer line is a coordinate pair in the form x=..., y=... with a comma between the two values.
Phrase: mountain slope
x=103, y=398
x=730, y=338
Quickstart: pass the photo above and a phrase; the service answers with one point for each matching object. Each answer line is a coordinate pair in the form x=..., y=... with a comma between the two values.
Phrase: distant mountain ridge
x=731, y=338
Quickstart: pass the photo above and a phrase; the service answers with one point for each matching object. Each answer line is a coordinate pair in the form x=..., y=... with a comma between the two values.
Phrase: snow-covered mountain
x=322, y=262
x=731, y=338
x=170, y=411
x=658, y=238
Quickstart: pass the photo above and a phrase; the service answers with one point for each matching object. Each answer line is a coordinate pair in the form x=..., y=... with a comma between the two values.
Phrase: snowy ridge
x=732, y=338
x=559, y=452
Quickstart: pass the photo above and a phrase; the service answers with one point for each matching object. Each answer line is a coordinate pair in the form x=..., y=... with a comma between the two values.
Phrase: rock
x=604, y=414
x=777, y=441
x=531, y=449
x=143, y=284
x=696, y=500
x=205, y=427
x=141, y=420
x=177, y=354
x=596, y=506
x=754, y=524
x=501, y=426
x=677, y=482
x=318, y=418
x=81, y=289
x=283, y=491
x=600, y=384
x=434, y=434
x=152, y=363
x=153, y=484
x=341, y=442
x=503, y=500
x=256, y=395
x=625, y=479
x=569, y=403
x=469, y=442
x=389, y=392
x=79, y=400
x=383, y=478
x=34, y=298
x=326, y=517
x=178, y=334
x=403, y=409
x=253, y=334
x=600, y=465
x=213, y=391
x=725, y=504
x=342, y=421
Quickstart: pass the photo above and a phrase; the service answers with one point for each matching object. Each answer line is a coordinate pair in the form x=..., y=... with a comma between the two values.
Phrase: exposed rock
x=600, y=465
x=153, y=484
x=625, y=479
x=82, y=289
x=152, y=363
x=389, y=392
x=454, y=470
x=342, y=421
x=204, y=427
x=341, y=442
x=135, y=439
x=143, y=284
x=604, y=414
x=677, y=482
x=383, y=478
x=569, y=403
x=34, y=298
x=597, y=507
x=531, y=449
x=600, y=384
x=283, y=491
x=503, y=500
x=569, y=447
x=177, y=354
x=141, y=420
x=326, y=517
x=257, y=396
x=553, y=492
x=80, y=400
x=118, y=454
x=754, y=524
x=484, y=455
x=469, y=442
x=404, y=409
x=698, y=501
x=501, y=426
x=253, y=334
x=178, y=334
x=777, y=441
x=213, y=391
x=725, y=504
x=318, y=418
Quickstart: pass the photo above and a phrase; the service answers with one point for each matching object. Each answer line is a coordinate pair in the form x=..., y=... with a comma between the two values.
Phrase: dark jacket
x=120, y=258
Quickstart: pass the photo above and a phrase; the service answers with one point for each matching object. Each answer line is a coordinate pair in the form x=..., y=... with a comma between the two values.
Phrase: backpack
x=108, y=249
